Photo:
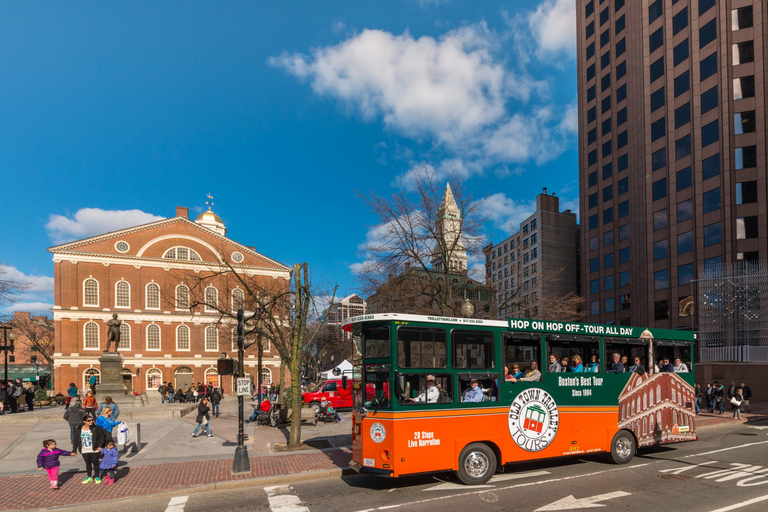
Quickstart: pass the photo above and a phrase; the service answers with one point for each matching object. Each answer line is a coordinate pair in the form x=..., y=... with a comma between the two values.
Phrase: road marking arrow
x=758, y=428
x=569, y=502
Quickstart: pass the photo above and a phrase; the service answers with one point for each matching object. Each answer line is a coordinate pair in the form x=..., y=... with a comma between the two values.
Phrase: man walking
x=162, y=390
x=710, y=398
x=719, y=397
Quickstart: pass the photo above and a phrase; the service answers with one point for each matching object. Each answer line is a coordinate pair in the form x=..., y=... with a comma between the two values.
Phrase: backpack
x=16, y=391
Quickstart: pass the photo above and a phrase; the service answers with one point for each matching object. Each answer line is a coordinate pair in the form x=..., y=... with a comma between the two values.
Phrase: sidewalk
x=169, y=458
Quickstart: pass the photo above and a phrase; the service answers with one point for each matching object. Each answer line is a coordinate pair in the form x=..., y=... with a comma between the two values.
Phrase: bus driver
x=432, y=393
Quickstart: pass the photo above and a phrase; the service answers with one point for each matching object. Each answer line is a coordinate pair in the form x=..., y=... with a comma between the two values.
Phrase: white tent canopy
x=345, y=367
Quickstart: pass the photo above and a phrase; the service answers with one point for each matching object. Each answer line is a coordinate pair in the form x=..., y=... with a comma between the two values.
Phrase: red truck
x=333, y=391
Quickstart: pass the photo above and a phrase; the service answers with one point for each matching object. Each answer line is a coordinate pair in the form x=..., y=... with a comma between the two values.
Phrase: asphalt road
x=727, y=469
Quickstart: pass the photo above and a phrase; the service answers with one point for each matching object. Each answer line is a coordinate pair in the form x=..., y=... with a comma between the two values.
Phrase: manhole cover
x=745, y=434
x=674, y=477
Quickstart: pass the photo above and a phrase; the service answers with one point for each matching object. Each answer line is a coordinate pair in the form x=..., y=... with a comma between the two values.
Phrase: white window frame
x=85, y=295
x=153, y=371
x=87, y=375
x=146, y=296
x=117, y=294
x=268, y=373
x=234, y=339
x=212, y=371
x=213, y=329
x=207, y=308
x=127, y=327
x=240, y=292
x=85, y=336
x=176, y=301
x=189, y=338
x=159, y=338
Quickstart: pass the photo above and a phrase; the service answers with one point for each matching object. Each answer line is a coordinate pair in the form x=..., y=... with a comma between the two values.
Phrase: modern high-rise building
x=537, y=265
x=672, y=151
x=338, y=313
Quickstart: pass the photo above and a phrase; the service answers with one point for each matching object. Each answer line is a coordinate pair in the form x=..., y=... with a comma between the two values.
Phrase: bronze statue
x=114, y=332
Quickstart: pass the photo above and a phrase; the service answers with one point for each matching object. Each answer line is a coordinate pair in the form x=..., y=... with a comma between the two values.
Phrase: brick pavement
x=29, y=492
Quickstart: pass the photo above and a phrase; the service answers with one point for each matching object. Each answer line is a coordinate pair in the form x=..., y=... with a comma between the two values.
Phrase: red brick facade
x=130, y=272
x=658, y=408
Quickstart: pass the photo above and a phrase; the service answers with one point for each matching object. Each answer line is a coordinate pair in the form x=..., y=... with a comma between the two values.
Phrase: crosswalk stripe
x=177, y=504
x=283, y=499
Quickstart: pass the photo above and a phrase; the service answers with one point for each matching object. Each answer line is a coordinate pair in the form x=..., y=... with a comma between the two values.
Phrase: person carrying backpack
x=215, y=399
x=162, y=390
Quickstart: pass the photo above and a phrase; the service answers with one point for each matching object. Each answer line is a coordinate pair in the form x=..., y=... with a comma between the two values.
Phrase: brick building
x=155, y=277
x=658, y=408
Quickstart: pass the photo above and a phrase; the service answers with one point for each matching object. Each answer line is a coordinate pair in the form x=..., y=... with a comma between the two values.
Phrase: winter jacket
x=215, y=397
x=202, y=411
x=89, y=401
x=113, y=406
x=48, y=459
x=106, y=423
x=3, y=395
x=100, y=437
x=110, y=459
x=72, y=391
x=75, y=415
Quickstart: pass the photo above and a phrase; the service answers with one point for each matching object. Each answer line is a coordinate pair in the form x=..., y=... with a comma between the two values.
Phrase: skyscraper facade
x=672, y=151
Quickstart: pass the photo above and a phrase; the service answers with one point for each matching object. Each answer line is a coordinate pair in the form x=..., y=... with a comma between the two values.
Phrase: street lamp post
x=6, y=347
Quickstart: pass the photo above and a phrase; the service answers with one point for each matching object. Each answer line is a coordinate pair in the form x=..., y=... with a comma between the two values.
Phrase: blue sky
x=112, y=114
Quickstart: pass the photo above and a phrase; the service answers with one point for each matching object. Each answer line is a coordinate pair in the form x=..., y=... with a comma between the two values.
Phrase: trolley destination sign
x=551, y=327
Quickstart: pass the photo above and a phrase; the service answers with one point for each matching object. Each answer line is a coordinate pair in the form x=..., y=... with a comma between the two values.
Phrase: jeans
x=710, y=404
x=256, y=414
x=720, y=407
x=110, y=472
x=207, y=428
x=72, y=429
x=162, y=398
x=215, y=410
x=698, y=409
x=170, y=398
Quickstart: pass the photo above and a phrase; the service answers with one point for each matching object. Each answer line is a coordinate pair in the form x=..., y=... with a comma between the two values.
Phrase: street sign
x=243, y=386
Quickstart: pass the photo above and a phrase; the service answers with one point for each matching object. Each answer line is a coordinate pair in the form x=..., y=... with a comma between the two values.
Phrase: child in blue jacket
x=109, y=462
x=48, y=459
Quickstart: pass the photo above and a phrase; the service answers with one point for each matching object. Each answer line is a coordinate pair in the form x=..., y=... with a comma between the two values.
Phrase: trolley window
x=631, y=352
x=575, y=353
x=376, y=341
x=376, y=386
x=521, y=349
x=421, y=348
x=420, y=388
x=672, y=356
x=472, y=349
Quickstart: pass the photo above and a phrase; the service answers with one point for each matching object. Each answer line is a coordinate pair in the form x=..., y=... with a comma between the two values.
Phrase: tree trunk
x=294, y=441
x=281, y=382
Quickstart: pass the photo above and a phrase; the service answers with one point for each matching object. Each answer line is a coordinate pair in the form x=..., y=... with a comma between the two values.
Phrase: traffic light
x=226, y=366
x=245, y=325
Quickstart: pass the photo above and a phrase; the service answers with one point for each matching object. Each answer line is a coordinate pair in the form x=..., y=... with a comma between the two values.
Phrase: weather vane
x=210, y=202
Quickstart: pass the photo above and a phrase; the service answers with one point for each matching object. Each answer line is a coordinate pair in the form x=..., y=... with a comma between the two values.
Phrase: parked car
x=333, y=391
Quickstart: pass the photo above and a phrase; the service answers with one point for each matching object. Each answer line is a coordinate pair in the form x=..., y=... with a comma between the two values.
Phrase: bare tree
x=282, y=311
x=420, y=245
x=554, y=302
x=9, y=288
x=37, y=333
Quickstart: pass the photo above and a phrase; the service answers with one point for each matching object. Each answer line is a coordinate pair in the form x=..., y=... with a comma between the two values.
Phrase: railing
x=741, y=353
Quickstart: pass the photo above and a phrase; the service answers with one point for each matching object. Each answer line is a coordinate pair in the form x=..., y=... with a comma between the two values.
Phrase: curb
x=227, y=485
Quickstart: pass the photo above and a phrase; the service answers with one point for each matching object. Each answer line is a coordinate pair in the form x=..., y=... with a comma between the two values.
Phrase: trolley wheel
x=477, y=464
x=622, y=448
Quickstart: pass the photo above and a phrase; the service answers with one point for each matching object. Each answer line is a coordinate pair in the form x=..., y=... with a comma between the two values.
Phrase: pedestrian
x=106, y=421
x=272, y=393
x=328, y=409
x=709, y=396
x=200, y=391
x=92, y=383
x=203, y=417
x=18, y=396
x=698, y=394
x=90, y=439
x=110, y=458
x=72, y=392
x=89, y=404
x=74, y=416
x=169, y=389
x=48, y=459
x=3, y=397
x=29, y=395
x=719, y=397
x=162, y=390
x=215, y=399
x=110, y=404
x=732, y=390
x=736, y=401
x=746, y=394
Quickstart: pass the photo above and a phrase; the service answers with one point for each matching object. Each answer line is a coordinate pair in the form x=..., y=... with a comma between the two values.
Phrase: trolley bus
x=437, y=394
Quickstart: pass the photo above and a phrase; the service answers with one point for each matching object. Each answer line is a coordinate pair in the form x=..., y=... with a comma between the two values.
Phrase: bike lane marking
x=282, y=498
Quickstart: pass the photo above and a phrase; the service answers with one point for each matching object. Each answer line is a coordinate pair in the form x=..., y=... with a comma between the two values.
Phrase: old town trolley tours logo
x=533, y=419
x=378, y=432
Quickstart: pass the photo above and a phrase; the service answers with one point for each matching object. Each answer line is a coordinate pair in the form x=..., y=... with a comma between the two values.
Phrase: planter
x=41, y=403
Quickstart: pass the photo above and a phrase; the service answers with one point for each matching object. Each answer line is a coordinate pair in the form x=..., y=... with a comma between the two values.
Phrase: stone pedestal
x=111, y=385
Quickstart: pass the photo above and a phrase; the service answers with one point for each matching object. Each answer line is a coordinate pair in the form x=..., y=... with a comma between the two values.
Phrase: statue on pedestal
x=114, y=332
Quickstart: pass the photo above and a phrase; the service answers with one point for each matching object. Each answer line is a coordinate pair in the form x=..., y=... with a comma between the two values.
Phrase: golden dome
x=209, y=216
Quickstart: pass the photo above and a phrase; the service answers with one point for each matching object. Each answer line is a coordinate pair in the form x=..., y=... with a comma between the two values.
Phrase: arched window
x=650, y=424
x=211, y=339
x=182, y=337
x=153, y=296
x=154, y=378
x=658, y=393
x=182, y=297
x=87, y=377
x=91, y=330
x=266, y=377
x=645, y=426
x=633, y=408
x=238, y=299
x=181, y=253
x=638, y=405
x=234, y=339
x=211, y=377
x=122, y=294
x=645, y=401
x=91, y=292
x=153, y=337
x=211, y=299
x=183, y=378
x=125, y=337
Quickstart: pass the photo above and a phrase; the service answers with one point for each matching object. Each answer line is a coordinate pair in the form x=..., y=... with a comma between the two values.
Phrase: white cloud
x=506, y=213
x=338, y=26
x=88, y=222
x=37, y=284
x=37, y=298
x=36, y=308
x=553, y=26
